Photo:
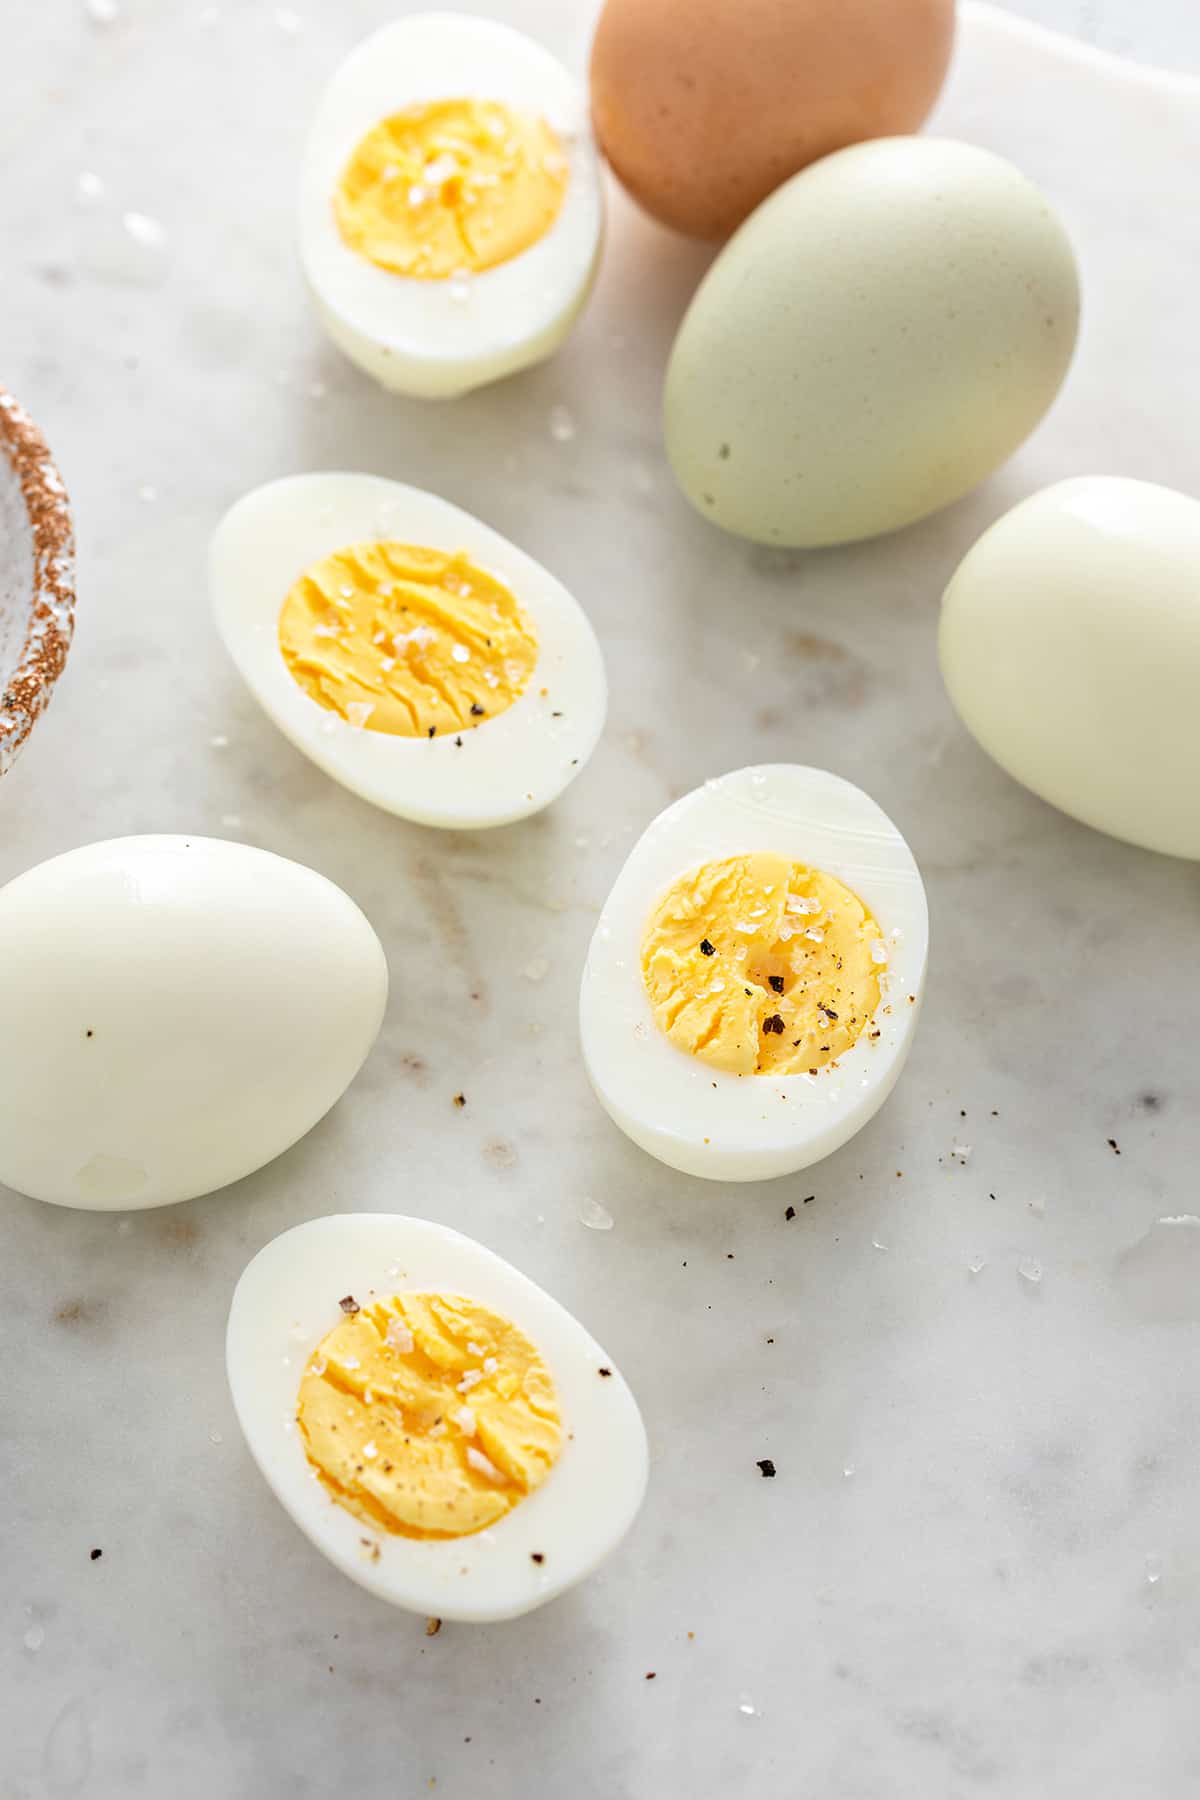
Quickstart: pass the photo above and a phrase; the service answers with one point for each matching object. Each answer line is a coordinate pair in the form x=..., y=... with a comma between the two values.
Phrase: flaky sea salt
x=471, y=1378
x=464, y=1418
x=483, y=1464
x=878, y=951
x=399, y=1337
x=460, y=653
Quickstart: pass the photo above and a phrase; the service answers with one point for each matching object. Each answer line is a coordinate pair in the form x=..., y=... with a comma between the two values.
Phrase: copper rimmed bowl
x=37, y=577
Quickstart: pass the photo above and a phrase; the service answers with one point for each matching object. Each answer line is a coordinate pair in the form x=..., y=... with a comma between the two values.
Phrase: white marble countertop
x=977, y=1571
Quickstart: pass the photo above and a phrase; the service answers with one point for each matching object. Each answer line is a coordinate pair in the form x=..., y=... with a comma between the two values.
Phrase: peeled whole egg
x=181, y=1011
x=703, y=107
x=1070, y=645
x=752, y=987
x=445, y=1432
x=413, y=654
x=451, y=209
x=876, y=339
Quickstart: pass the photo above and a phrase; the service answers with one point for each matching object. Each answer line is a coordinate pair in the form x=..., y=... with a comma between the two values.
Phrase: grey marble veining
x=976, y=1572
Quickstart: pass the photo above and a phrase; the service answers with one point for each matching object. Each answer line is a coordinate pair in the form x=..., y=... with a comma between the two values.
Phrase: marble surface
x=977, y=1570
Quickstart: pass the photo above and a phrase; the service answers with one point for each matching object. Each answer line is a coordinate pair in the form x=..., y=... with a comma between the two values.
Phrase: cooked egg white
x=450, y=204
x=753, y=983
x=415, y=655
x=179, y=1011
x=443, y=1430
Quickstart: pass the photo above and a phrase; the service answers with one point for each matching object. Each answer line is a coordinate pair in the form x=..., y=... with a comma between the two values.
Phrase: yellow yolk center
x=762, y=966
x=450, y=186
x=428, y=1415
x=408, y=641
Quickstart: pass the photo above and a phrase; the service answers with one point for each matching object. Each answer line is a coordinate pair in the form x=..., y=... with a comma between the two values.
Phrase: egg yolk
x=450, y=186
x=408, y=641
x=762, y=966
x=427, y=1415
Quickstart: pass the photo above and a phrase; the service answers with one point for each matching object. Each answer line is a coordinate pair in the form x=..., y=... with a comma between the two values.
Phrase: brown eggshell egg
x=703, y=107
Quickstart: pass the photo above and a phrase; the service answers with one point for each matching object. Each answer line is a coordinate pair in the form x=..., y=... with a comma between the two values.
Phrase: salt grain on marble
x=144, y=230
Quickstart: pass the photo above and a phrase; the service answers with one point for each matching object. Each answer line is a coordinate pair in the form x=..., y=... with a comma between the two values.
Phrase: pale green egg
x=877, y=338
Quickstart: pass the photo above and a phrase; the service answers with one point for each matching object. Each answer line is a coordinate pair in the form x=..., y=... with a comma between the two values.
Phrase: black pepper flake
x=537, y=1556
x=1114, y=1146
x=808, y=1199
x=766, y=1468
x=707, y=949
x=349, y=1304
x=790, y=1213
x=607, y=1372
x=432, y=731
x=650, y=1674
x=556, y=715
x=776, y=981
x=91, y=1034
x=460, y=1100
x=458, y=743
x=476, y=710
x=775, y=1024
x=95, y=1555
x=827, y=1010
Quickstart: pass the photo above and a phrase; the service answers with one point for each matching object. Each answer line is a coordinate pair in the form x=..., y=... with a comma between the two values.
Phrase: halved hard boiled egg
x=753, y=984
x=451, y=206
x=415, y=655
x=441, y=1428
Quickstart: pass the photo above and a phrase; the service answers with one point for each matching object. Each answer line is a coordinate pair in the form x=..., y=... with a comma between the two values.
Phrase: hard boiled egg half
x=450, y=205
x=753, y=984
x=415, y=655
x=442, y=1429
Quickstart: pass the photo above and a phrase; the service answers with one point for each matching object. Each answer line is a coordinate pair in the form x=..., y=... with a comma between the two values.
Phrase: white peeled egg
x=710, y=1122
x=178, y=1011
x=1070, y=645
x=506, y=768
x=288, y=1299
x=438, y=338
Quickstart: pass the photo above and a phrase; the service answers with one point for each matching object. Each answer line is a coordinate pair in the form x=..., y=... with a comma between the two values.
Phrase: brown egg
x=703, y=107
